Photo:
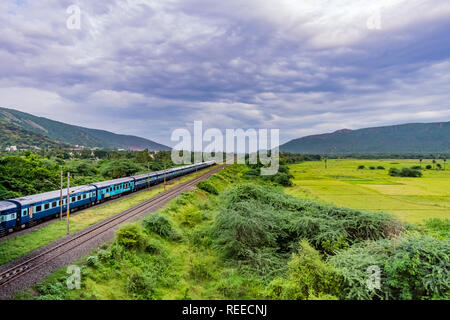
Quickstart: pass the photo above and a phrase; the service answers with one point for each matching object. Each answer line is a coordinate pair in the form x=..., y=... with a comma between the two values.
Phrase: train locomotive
x=30, y=210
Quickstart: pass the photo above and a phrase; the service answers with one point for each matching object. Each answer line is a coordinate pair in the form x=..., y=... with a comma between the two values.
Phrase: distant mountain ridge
x=397, y=139
x=62, y=133
x=16, y=137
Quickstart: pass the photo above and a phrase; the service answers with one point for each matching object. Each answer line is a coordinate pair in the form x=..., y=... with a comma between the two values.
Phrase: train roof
x=145, y=175
x=52, y=195
x=5, y=205
x=111, y=182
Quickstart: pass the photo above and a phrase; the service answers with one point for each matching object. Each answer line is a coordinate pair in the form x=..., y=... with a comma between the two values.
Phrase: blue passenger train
x=27, y=211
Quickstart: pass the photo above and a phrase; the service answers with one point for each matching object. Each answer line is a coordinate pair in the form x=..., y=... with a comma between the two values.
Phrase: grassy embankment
x=18, y=246
x=410, y=199
x=235, y=240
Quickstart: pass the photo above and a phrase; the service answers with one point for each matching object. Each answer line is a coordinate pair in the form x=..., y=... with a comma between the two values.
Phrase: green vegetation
x=208, y=187
x=412, y=200
x=419, y=138
x=18, y=246
x=413, y=172
x=253, y=241
x=31, y=173
x=27, y=124
x=412, y=267
x=13, y=135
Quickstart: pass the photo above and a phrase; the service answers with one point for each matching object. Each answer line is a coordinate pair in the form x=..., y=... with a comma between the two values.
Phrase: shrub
x=141, y=284
x=429, y=166
x=309, y=277
x=405, y=172
x=208, y=187
x=154, y=246
x=92, y=261
x=372, y=168
x=361, y=167
x=416, y=167
x=438, y=228
x=394, y=172
x=283, y=179
x=131, y=236
x=259, y=225
x=159, y=224
x=380, y=168
x=412, y=267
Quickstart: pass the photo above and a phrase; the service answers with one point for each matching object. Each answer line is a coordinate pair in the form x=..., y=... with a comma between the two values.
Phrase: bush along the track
x=252, y=241
x=255, y=218
x=411, y=267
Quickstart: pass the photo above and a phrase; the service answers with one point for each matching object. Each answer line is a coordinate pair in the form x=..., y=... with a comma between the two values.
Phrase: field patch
x=343, y=184
x=370, y=181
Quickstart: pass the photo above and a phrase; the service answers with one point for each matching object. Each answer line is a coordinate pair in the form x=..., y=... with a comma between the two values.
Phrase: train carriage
x=113, y=188
x=8, y=216
x=29, y=210
x=41, y=206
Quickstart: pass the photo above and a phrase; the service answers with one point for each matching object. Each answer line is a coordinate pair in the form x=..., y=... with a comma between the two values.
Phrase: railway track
x=16, y=271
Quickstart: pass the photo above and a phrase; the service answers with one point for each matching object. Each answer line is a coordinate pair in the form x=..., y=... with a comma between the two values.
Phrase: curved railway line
x=37, y=261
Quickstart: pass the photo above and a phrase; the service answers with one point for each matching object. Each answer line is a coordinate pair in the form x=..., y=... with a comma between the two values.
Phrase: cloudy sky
x=303, y=66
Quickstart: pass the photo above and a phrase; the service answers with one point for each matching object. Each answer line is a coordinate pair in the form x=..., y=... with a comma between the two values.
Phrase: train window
x=93, y=193
x=46, y=206
x=54, y=204
x=79, y=198
x=84, y=196
x=24, y=212
x=38, y=208
x=73, y=199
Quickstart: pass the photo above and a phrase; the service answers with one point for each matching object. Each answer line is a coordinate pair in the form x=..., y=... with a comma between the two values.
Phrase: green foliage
x=141, y=284
x=119, y=169
x=438, y=228
x=308, y=277
x=208, y=187
x=26, y=175
x=259, y=225
x=159, y=224
x=282, y=177
x=405, y=172
x=380, y=168
x=92, y=261
x=412, y=267
x=131, y=236
x=361, y=167
x=429, y=167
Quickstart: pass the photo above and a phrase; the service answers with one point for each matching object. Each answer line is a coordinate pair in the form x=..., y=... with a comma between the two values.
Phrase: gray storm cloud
x=148, y=67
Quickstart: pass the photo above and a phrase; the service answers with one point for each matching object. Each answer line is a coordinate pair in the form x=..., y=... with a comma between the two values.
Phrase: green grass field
x=410, y=199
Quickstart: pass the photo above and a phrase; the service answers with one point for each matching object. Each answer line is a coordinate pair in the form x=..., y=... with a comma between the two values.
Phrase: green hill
x=406, y=138
x=12, y=135
x=75, y=135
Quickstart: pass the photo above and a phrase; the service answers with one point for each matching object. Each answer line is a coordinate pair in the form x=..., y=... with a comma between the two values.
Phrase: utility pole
x=164, y=176
x=148, y=175
x=61, y=198
x=68, y=202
